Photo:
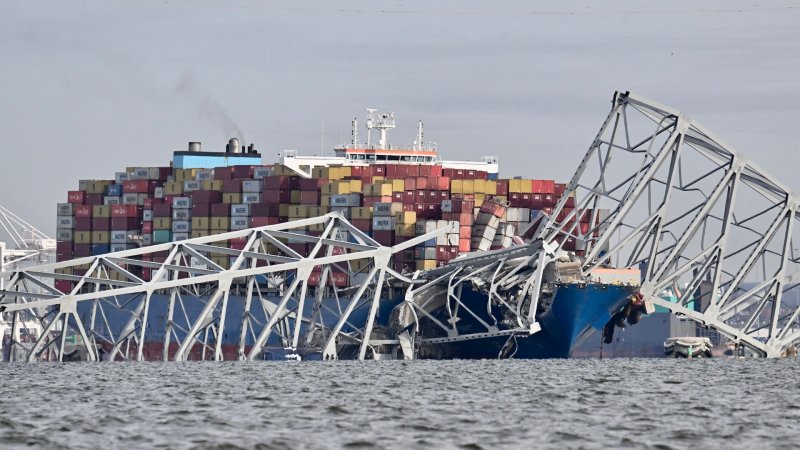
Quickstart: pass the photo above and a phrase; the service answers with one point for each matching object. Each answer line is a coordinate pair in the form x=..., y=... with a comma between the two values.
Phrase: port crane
x=694, y=215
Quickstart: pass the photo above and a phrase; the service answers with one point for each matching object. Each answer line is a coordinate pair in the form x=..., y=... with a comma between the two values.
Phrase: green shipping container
x=162, y=236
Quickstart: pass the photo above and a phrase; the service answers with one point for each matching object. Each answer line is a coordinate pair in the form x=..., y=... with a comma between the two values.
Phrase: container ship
x=391, y=193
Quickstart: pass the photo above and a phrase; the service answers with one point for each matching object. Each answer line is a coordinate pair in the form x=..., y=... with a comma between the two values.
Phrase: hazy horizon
x=91, y=88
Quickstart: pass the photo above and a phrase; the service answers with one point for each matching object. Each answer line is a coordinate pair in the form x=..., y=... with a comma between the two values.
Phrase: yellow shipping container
x=221, y=261
x=162, y=223
x=522, y=186
x=479, y=198
x=479, y=186
x=64, y=270
x=199, y=233
x=317, y=227
x=490, y=187
x=101, y=211
x=361, y=212
x=280, y=169
x=378, y=178
x=101, y=237
x=294, y=196
x=426, y=264
x=319, y=173
x=298, y=212
x=220, y=223
x=383, y=189
x=404, y=229
x=340, y=187
x=283, y=209
x=456, y=186
x=231, y=197
x=211, y=185
x=201, y=223
x=398, y=186
x=406, y=217
x=468, y=186
x=359, y=265
x=325, y=200
x=82, y=237
x=173, y=188
x=355, y=186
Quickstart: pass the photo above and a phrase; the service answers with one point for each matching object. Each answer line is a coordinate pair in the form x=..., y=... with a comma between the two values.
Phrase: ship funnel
x=233, y=146
x=194, y=146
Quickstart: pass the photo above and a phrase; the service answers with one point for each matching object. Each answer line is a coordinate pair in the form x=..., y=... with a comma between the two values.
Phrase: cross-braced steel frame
x=287, y=297
x=714, y=235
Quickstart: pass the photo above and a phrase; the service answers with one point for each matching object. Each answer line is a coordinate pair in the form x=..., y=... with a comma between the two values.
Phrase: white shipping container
x=119, y=177
x=181, y=226
x=64, y=209
x=182, y=202
x=117, y=248
x=349, y=200
x=155, y=173
x=442, y=240
x=259, y=173
x=251, y=186
x=65, y=222
x=159, y=192
x=447, y=206
x=203, y=175
x=147, y=239
x=425, y=253
x=180, y=236
x=119, y=236
x=386, y=209
x=383, y=223
x=487, y=219
x=452, y=239
x=480, y=244
x=240, y=210
x=518, y=214
x=112, y=201
x=251, y=197
x=63, y=234
x=147, y=215
x=83, y=185
x=484, y=231
x=240, y=223
x=198, y=263
x=190, y=186
x=140, y=173
x=130, y=199
x=181, y=214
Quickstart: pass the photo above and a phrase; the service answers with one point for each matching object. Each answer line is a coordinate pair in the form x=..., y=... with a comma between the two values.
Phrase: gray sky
x=91, y=87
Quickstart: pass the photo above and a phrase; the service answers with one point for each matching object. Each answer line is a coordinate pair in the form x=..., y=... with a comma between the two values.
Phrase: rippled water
x=391, y=404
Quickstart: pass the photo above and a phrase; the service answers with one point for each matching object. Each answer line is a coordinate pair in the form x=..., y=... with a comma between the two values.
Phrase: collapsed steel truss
x=709, y=229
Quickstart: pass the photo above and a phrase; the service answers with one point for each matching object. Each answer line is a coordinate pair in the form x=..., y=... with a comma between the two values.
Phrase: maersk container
x=190, y=186
x=147, y=215
x=119, y=236
x=147, y=239
x=259, y=173
x=108, y=201
x=181, y=214
x=345, y=211
x=120, y=247
x=240, y=210
x=182, y=202
x=240, y=223
x=64, y=234
x=120, y=177
x=385, y=223
x=161, y=236
x=65, y=209
x=181, y=226
x=158, y=192
x=346, y=200
x=130, y=199
x=65, y=222
x=204, y=175
x=250, y=197
x=251, y=186
x=180, y=236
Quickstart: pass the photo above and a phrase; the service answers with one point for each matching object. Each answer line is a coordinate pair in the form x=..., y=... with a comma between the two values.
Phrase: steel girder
x=270, y=279
x=714, y=234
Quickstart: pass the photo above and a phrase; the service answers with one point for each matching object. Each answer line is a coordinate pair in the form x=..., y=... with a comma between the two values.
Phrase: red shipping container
x=148, y=203
x=231, y=186
x=276, y=196
x=465, y=232
x=135, y=187
x=502, y=187
x=220, y=210
x=83, y=224
x=410, y=184
x=435, y=171
x=164, y=210
x=205, y=197
x=422, y=183
x=570, y=202
x=493, y=208
x=101, y=223
x=409, y=207
x=362, y=224
x=201, y=209
x=294, y=182
x=370, y=201
x=434, y=211
x=421, y=211
x=536, y=201
x=559, y=189
x=125, y=211
x=338, y=279
x=408, y=197
x=81, y=250
x=64, y=286
x=125, y=223
x=256, y=222
x=310, y=184
x=378, y=170
x=463, y=245
x=243, y=171
x=424, y=171
x=357, y=171
x=549, y=200
x=264, y=209
x=94, y=199
x=465, y=219
x=83, y=211
x=309, y=197
x=76, y=197
x=276, y=182
x=397, y=197
x=147, y=227
x=421, y=197
x=384, y=237
x=223, y=173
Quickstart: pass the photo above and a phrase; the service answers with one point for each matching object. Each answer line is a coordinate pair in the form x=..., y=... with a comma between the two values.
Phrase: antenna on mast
x=419, y=137
x=354, y=144
x=370, y=125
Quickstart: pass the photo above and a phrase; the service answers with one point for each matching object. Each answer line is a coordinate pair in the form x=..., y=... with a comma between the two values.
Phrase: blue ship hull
x=576, y=312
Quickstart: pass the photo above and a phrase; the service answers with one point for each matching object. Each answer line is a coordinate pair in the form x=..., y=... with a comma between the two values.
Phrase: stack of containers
x=485, y=229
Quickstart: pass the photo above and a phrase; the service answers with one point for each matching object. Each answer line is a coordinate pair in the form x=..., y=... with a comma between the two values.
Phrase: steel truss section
x=714, y=235
x=280, y=280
